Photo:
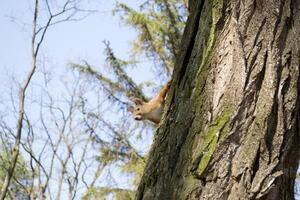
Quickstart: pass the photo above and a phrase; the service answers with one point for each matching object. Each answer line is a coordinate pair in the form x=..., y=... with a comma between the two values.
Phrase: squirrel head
x=138, y=110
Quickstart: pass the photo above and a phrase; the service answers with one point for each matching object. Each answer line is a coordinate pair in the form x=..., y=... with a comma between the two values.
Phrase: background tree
x=159, y=24
x=231, y=128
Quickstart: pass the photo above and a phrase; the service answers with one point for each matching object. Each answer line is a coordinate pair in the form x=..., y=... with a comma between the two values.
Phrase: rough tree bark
x=231, y=128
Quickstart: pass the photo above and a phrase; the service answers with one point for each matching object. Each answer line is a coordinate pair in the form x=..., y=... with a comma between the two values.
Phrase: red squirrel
x=151, y=110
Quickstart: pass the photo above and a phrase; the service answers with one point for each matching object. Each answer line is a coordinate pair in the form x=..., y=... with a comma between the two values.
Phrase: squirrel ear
x=138, y=101
x=130, y=109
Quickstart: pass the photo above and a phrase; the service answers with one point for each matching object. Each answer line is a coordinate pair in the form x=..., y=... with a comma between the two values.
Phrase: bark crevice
x=232, y=119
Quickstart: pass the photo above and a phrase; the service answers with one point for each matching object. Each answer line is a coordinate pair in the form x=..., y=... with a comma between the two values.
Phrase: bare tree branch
x=16, y=149
x=67, y=13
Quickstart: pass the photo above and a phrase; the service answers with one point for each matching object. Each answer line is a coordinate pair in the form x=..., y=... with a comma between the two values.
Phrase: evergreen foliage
x=159, y=24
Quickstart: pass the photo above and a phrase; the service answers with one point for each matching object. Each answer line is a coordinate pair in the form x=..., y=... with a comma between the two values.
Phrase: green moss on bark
x=210, y=142
x=211, y=138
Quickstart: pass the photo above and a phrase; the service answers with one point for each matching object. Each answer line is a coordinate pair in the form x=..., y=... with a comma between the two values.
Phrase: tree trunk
x=231, y=121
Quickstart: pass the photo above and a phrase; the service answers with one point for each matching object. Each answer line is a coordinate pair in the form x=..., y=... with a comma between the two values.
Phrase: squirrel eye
x=138, y=109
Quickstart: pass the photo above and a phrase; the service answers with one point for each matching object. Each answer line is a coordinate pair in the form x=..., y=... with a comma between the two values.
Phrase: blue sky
x=65, y=42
